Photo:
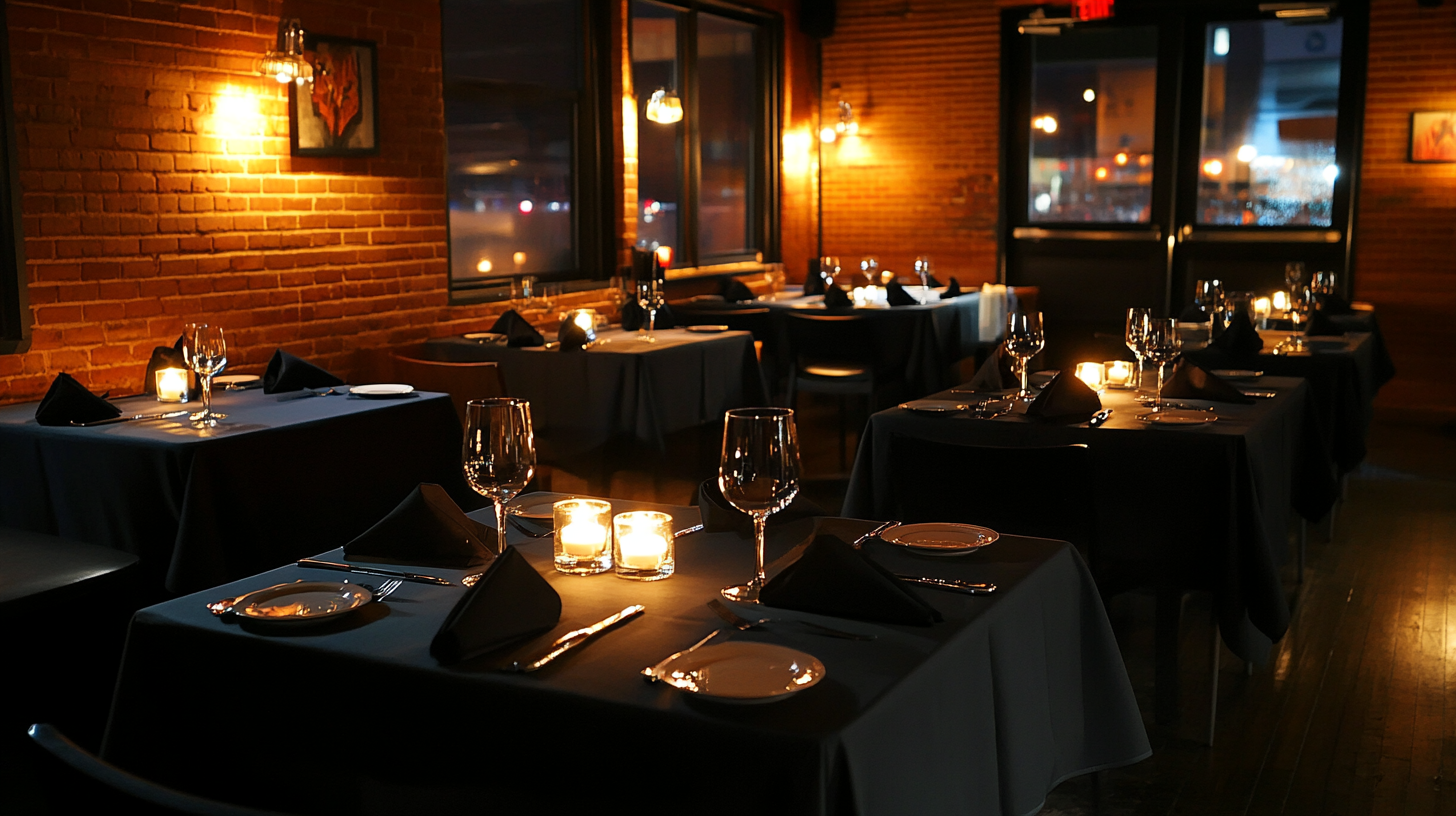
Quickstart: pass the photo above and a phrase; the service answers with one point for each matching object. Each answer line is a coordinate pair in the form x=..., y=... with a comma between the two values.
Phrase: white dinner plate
x=707, y=329
x=302, y=602
x=940, y=538
x=486, y=337
x=930, y=406
x=382, y=390
x=1236, y=373
x=1178, y=416
x=536, y=507
x=743, y=672
x=235, y=379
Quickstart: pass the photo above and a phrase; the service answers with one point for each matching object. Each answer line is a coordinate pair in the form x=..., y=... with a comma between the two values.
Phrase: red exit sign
x=1092, y=9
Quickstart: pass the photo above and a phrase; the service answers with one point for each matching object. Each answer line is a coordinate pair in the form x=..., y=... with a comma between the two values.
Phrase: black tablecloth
x=982, y=714
x=272, y=482
x=622, y=390
x=1206, y=507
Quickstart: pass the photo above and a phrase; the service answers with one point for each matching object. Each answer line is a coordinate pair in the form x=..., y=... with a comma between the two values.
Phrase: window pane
x=659, y=146
x=528, y=41
x=1270, y=104
x=727, y=103
x=1092, y=106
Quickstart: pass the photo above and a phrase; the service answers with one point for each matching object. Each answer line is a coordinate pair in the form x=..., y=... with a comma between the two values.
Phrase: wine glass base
x=646, y=338
x=743, y=593
x=208, y=418
x=1025, y=396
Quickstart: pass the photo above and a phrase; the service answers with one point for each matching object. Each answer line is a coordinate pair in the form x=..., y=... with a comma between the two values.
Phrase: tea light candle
x=642, y=550
x=644, y=545
x=1093, y=374
x=171, y=385
x=1120, y=373
x=582, y=537
x=1280, y=301
x=1262, y=308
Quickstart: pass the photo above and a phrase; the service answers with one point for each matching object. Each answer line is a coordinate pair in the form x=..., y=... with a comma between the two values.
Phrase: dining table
x=983, y=713
x=280, y=477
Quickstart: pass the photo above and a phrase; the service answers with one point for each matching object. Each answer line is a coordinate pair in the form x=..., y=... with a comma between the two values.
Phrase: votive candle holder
x=642, y=548
x=583, y=536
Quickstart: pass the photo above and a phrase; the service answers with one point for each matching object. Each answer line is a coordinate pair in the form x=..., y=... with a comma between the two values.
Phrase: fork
x=385, y=589
x=743, y=624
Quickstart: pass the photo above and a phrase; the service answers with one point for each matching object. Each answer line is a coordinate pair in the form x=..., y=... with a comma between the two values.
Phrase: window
x=14, y=300
x=707, y=183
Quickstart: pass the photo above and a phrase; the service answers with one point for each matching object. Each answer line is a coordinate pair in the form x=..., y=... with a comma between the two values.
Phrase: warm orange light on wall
x=797, y=151
x=235, y=112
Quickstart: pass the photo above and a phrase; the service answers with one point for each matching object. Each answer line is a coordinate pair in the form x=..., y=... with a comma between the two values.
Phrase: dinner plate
x=743, y=672
x=1178, y=416
x=536, y=507
x=235, y=379
x=382, y=390
x=931, y=406
x=302, y=602
x=940, y=538
x=1236, y=373
x=486, y=337
x=707, y=329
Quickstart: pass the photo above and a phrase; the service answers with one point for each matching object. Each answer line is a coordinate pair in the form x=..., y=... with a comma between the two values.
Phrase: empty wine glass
x=649, y=294
x=1293, y=276
x=759, y=475
x=922, y=271
x=829, y=269
x=204, y=349
x=869, y=266
x=1135, y=336
x=1161, y=345
x=1024, y=338
x=1323, y=283
x=499, y=455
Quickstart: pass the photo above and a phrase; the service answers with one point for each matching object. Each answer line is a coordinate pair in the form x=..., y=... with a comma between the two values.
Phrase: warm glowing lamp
x=664, y=256
x=664, y=107
x=285, y=63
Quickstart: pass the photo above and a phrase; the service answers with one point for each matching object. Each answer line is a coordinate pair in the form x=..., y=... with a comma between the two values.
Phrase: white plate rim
x=230, y=379
x=745, y=648
x=948, y=528
x=1184, y=417
x=361, y=594
x=382, y=390
x=529, y=506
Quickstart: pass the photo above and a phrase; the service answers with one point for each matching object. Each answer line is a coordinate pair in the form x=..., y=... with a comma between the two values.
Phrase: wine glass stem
x=206, y=396
x=651, y=321
x=1137, y=386
x=500, y=526
x=1023, y=366
x=760, y=525
x=1158, y=397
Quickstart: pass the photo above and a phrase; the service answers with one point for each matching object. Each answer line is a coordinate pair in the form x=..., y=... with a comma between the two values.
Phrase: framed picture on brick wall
x=1433, y=136
x=338, y=113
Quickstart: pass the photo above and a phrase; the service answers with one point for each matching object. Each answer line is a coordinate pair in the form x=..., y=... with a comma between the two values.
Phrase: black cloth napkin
x=836, y=298
x=933, y=282
x=833, y=578
x=1192, y=381
x=634, y=316
x=719, y=516
x=1240, y=339
x=994, y=374
x=1332, y=304
x=511, y=601
x=426, y=529
x=1065, y=397
x=163, y=357
x=519, y=333
x=69, y=401
x=736, y=291
x=952, y=289
x=289, y=373
x=895, y=295
x=1322, y=325
x=814, y=281
x=570, y=336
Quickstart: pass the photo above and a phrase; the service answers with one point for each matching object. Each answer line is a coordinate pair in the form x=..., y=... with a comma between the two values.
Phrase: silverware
x=883, y=526
x=744, y=624
x=311, y=392
x=1099, y=417
x=575, y=638
x=384, y=573
x=1260, y=394
x=949, y=584
x=653, y=673
x=385, y=589
x=521, y=525
x=246, y=386
x=687, y=531
x=132, y=418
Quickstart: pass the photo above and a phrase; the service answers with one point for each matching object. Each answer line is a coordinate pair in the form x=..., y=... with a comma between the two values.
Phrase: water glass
x=1161, y=345
x=1024, y=339
x=1135, y=336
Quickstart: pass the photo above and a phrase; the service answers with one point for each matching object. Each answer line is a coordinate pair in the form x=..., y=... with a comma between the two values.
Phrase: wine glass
x=922, y=271
x=205, y=351
x=1024, y=338
x=499, y=455
x=1324, y=282
x=1135, y=336
x=1301, y=304
x=869, y=266
x=1161, y=345
x=1293, y=276
x=829, y=269
x=649, y=294
x=759, y=476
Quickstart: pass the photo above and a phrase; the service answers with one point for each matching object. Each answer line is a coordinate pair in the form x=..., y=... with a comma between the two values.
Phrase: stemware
x=499, y=455
x=759, y=475
x=204, y=348
x=1161, y=345
x=922, y=271
x=1293, y=276
x=1135, y=336
x=829, y=269
x=1024, y=338
x=650, y=295
x=869, y=266
x=1323, y=283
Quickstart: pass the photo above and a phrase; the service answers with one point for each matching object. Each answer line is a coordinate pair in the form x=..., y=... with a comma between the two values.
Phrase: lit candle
x=1281, y=301
x=644, y=546
x=643, y=551
x=1093, y=374
x=1262, y=308
x=583, y=537
x=1119, y=372
x=171, y=385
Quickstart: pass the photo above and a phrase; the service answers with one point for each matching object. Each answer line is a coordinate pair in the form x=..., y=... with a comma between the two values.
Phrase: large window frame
x=14, y=297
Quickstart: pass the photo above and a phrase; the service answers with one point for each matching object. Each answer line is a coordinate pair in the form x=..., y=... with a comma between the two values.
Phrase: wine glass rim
x=758, y=413
x=495, y=402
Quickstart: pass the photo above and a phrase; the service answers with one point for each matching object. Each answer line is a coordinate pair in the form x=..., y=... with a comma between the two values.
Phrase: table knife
x=573, y=639
x=1099, y=417
x=687, y=531
x=949, y=584
x=385, y=573
x=132, y=418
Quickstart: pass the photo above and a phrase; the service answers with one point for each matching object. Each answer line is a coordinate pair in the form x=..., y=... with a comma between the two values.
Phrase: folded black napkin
x=68, y=401
x=1240, y=339
x=1323, y=325
x=736, y=291
x=1192, y=381
x=719, y=516
x=952, y=289
x=833, y=578
x=1065, y=397
x=519, y=333
x=426, y=529
x=994, y=374
x=163, y=357
x=1193, y=314
x=570, y=336
x=510, y=601
x=931, y=281
x=289, y=373
x=814, y=281
x=1332, y=304
x=836, y=298
x=634, y=316
x=895, y=295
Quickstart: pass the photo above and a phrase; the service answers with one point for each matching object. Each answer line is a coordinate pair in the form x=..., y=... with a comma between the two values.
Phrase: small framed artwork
x=1433, y=136
x=337, y=114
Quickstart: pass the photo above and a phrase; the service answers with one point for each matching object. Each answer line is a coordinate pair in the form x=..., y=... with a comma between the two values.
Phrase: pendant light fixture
x=286, y=63
x=664, y=107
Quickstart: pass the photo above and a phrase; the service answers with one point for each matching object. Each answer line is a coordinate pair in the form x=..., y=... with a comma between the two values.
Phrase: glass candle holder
x=1093, y=374
x=642, y=546
x=1121, y=374
x=583, y=538
x=172, y=384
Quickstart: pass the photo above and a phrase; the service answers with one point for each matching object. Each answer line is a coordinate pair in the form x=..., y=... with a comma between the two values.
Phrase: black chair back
x=830, y=338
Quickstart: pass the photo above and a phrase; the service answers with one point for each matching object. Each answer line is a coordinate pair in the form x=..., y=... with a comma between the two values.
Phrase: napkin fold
x=163, y=357
x=1192, y=381
x=1323, y=325
x=289, y=373
x=833, y=578
x=994, y=374
x=895, y=295
x=1065, y=397
x=933, y=282
x=735, y=291
x=952, y=289
x=518, y=331
x=1240, y=338
x=570, y=336
x=511, y=601
x=426, y=529
x=719, y=516
x=69, y=401
x=836, y=298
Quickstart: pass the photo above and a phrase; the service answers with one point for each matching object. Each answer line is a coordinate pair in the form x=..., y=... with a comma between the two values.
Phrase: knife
x=573, y=639
x=949, y=584
x=132, y=418
x=686, y=531
x=355, y=568
x=1099, y=417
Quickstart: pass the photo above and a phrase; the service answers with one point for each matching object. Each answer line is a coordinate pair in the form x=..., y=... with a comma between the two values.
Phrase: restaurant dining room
x=879, y=406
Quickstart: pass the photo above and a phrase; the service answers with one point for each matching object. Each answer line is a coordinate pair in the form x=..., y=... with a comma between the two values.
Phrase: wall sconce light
x=847, y=124
x=664, y=107
x=285, y=63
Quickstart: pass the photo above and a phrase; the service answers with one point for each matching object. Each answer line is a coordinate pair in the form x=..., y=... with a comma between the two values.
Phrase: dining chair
x=833, y=354
x=462, y=381
x=760, y=321
x=73, y=780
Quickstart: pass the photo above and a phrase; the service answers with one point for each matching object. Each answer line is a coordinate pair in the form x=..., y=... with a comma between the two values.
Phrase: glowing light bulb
x=1089, y=95
x=1247, y=153
x=1212, y=168
x=484, y=266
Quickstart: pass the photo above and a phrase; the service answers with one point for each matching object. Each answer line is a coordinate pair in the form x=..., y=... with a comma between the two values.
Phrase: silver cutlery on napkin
x=949, y=584
x=653, y=673
x=383, y=573
x=132, y=418
x=575, y=638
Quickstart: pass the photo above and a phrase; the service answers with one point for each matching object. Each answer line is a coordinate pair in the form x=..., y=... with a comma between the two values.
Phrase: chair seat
x=33, y=564
x=837, y=371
